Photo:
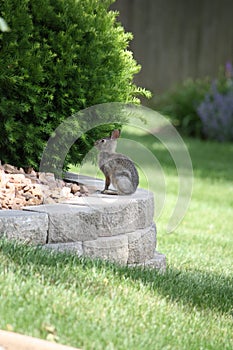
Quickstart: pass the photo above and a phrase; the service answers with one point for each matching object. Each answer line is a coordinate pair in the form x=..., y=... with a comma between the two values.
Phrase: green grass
x=94, y=305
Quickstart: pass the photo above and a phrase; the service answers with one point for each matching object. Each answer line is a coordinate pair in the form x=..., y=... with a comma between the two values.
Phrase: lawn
x=94, y=305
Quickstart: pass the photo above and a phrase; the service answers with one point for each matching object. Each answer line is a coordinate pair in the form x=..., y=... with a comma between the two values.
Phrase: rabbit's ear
x=115, y=134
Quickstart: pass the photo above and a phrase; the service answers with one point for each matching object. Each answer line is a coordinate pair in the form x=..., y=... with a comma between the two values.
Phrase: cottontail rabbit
x=117, y=168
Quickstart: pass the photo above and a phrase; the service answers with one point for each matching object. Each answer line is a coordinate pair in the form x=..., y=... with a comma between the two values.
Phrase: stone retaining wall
x=115, y=228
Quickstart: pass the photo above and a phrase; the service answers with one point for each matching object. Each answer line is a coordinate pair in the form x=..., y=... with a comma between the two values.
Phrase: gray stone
x=158, y=262
x=142, y=244
x=99, y=216
x=85, y=180
x=24, y=226
x=119, y=214
x=114, y=249
x=74, y=247
x=69, y=223
x=137, y=214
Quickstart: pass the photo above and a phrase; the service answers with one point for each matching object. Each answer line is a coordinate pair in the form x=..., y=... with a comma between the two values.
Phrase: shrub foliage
x=59, y=57
x=201, y=107
x=180, y=104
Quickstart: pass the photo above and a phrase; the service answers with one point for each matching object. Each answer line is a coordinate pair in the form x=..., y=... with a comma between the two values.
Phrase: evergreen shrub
x=59, y=57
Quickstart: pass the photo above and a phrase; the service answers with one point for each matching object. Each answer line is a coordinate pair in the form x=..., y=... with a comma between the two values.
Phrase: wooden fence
x=177, y=39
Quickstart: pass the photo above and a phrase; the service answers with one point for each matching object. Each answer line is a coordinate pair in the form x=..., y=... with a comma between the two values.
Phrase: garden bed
x=25, y=187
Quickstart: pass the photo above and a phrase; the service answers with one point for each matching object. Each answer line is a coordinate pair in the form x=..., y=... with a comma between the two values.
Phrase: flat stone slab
x=158, y=262
x=74, y=247
x=31, y=227
x=114, y=249
x=96, y=183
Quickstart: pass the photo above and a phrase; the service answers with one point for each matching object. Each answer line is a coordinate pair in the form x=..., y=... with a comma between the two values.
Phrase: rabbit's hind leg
x=123, y=185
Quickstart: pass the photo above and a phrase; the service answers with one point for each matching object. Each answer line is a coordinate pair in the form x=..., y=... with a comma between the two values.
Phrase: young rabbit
x=117, y=168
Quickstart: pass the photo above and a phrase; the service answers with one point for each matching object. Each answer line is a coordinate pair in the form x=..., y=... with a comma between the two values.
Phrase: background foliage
x=180, y=104
x=59, y=57
x=216, y=110
x=201, y=107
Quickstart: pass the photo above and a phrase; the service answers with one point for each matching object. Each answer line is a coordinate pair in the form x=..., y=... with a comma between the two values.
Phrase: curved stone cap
x=88, y=218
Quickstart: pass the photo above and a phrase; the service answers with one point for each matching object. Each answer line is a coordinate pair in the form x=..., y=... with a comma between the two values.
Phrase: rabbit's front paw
x=111, y=192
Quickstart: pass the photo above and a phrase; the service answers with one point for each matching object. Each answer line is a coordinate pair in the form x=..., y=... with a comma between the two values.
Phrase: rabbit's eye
x=102, y=140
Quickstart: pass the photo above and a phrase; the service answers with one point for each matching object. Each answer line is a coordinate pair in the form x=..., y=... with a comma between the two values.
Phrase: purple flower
x=229, y=70
x=216, y=114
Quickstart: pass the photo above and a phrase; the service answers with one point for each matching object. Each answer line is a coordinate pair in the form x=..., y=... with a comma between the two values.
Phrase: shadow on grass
x=199, y=289
x=194, y=288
